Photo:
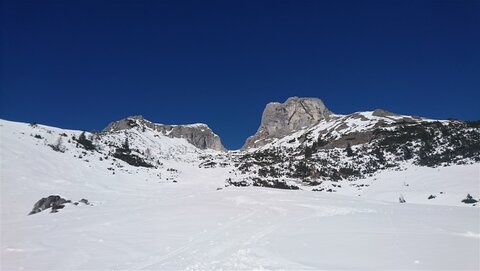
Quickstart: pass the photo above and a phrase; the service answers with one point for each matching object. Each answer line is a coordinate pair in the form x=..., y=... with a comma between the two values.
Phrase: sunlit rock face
x=199, y=134
x=280, y=119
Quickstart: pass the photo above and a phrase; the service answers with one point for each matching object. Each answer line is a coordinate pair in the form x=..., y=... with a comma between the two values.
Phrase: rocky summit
x=199, y=134
x=281, y=119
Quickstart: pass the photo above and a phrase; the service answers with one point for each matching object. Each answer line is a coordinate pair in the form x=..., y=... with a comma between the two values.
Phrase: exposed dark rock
x=84, y=201
x=353, y=138
x=87, y=144
x=131, y=159
x=207, y=164
x=273, y=183
x=383, y=113
x=237, y=183
x=469, y=200
x=54, y=201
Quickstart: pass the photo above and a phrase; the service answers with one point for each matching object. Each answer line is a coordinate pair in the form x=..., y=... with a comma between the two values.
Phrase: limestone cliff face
x=199, y=135
x=281, y=119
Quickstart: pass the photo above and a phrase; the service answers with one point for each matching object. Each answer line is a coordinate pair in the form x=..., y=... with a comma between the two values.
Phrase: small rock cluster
x=54, y=202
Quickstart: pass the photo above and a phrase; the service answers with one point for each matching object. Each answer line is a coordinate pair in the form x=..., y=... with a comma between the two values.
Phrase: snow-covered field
x=141, y=222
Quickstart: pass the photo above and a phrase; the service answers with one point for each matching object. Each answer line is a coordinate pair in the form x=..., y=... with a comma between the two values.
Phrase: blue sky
x=81, y=64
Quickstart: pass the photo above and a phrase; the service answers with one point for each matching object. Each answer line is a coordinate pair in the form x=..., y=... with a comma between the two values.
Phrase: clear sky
x=82, y=64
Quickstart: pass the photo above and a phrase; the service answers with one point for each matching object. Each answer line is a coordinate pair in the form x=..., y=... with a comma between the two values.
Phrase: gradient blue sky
x=81, y=64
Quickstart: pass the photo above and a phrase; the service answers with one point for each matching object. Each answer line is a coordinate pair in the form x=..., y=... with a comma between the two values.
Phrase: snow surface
x=140, y=221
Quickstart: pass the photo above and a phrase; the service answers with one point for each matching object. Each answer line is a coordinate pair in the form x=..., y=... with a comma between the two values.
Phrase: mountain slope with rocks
x=349, y=148
x=146, y=196
x=199, y=134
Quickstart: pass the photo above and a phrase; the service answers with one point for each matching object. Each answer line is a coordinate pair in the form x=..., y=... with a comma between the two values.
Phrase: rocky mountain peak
x=199, y=134
x=280, y=119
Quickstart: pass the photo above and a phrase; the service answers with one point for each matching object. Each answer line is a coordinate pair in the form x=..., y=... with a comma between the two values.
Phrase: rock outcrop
x=199, y=135
x=281, y=119
x=54, y=201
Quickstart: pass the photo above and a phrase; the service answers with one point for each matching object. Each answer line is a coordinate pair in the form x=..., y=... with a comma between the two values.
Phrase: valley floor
x=242, y=228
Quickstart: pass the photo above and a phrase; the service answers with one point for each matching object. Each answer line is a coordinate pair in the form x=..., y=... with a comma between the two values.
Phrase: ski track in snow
x=187, y=248
x=237, y=248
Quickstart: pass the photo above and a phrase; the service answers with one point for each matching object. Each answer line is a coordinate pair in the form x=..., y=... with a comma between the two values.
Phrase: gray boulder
x=54, y=201
x=281, y=119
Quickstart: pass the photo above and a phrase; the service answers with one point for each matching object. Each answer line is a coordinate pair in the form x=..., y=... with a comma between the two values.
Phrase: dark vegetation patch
x=428, y=144
x=273, y=183
x=125, y=154
x=85, y=143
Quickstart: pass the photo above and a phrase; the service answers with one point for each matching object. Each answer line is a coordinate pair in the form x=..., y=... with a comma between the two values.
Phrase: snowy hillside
x=160, y=203
x=342, y=152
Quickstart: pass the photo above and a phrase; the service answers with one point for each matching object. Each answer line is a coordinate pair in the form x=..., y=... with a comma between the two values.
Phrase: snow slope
x=142, y=220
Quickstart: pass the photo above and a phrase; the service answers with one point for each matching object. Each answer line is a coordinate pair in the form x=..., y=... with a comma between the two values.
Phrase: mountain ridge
x=313, y=150
x=344, y=149
x=278, y=120
x=198, y=134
